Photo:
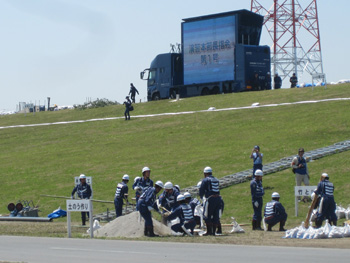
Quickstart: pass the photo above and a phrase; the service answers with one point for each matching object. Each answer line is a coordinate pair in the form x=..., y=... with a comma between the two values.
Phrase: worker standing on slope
x=257, y=157
x=121, y=194
x=210, y=194
x=84, y=192
x=146, y=204
x=128, y=106
x=301, y=171
x=257, y=192
x=132, y=92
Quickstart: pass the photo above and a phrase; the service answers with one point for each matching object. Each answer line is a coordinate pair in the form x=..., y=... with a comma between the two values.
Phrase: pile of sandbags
x=341, y=212
x=327, y=231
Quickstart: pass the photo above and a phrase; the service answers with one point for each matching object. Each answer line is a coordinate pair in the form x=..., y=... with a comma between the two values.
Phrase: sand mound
x=129, y=226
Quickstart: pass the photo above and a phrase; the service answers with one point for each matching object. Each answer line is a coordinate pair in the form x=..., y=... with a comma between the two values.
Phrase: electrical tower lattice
x=294, y=31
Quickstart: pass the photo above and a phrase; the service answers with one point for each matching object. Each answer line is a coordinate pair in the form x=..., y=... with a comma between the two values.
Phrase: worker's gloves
x=256, y=204
x=166, y=214
x=150, y=208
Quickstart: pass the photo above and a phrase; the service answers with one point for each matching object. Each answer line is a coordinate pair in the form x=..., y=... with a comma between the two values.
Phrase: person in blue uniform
x=325, y=190
x=257, y=193
x=121, y=193
x=84, y=192
x=127, y=104
x=275, y=213
x=167, y=200
x=210, y=194
x=146, y=204
x=141, y=184
x=184, y=212
x=257, y=157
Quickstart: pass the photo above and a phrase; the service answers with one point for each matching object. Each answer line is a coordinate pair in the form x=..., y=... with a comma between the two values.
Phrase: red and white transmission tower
x=295, y=33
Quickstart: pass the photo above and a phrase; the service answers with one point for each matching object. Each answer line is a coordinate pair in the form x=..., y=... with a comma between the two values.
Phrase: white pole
x=68, y=225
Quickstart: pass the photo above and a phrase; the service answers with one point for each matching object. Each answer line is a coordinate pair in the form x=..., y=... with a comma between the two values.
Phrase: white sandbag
x=309, y=233
x=292, y=233
x=340, y=212
x=236, y=227
x=301, y=231
x=336, y=232
x=347, y=213
x=323, y=232
x=95, y=226
x=346, y=230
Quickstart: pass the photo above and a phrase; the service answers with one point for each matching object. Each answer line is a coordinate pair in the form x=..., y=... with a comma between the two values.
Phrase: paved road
x=33, y=249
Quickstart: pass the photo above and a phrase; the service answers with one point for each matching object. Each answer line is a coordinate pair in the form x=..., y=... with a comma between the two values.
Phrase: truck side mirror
x=142, y=74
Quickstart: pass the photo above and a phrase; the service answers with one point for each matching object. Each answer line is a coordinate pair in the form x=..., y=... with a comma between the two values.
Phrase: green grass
x=44, y=160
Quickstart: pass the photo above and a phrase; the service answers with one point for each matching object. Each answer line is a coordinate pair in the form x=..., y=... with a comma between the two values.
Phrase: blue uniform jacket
x=148, y=198
x=209, y=186
x=121, y=190
x=169, y=200
x=83, y=190
x=257, y=190
x=143, y=184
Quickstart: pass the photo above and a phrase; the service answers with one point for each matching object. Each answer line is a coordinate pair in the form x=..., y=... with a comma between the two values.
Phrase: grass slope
x=44, y=160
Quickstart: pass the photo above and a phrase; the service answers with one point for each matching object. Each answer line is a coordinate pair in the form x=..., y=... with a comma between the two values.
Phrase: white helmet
x=145, y=169
x=177, y=186
x=168, y=185
x=137, y=178
x=259, y=173
x=275, y=195
x=126, y=177
x=199, y=184
x=325, y=175
x=187, y=195
x=160, y=184
x=82, y=176
x=207, y=170
x=180, y=198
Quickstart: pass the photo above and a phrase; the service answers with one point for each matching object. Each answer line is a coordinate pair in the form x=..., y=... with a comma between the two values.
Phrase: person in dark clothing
x=257, y=192
x=84, y=192
x=133, y=92
x=325, y=189
x=268, y=81
x=147, y=203
x=121, y=193
x=127, y=104
x=275, y=213
x=277, y=81
x=256, y=82
x=293, y=81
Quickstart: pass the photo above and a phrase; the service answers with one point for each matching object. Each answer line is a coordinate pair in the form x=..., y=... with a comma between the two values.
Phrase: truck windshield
x=152, y=74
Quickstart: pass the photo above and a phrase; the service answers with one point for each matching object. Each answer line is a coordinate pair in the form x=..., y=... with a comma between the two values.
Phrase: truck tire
x=205, y=91
x=156, y=96
x=216, y=90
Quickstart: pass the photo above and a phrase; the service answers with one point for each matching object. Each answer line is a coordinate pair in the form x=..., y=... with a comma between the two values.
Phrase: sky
x=76, y=50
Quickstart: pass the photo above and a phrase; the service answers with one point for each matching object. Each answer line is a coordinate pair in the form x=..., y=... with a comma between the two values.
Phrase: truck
x=220, y=53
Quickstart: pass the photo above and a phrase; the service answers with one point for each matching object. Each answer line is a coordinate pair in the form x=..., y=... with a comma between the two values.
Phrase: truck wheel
x=205, y=91
x=216, y=90
x=156, y=96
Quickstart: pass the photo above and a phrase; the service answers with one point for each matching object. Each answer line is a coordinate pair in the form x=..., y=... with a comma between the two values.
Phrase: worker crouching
x=275, y=213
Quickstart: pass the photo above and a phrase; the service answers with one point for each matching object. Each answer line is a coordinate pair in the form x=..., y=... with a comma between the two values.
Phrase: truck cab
x=164, y=73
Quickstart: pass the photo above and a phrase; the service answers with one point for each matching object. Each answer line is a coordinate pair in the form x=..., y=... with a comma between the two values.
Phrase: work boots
x=214, y=229
x=151, y=232
x=145, y=231
x=254, y=223
x=209, y=229
x=219, y=232
x=269, y=227
x=282, y=223
x=258, y=225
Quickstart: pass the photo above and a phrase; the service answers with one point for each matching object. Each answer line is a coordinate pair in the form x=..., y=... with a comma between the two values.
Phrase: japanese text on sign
x=78, y=205
x=304, y=190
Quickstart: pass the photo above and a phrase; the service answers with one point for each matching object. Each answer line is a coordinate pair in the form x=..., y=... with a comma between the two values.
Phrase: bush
x=99, y=103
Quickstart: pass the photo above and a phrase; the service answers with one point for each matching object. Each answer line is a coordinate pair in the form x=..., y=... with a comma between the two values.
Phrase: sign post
x=83, y=205
x=300, y=191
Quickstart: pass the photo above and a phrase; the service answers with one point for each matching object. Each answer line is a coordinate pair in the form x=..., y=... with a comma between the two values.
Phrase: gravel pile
x=130, y=227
